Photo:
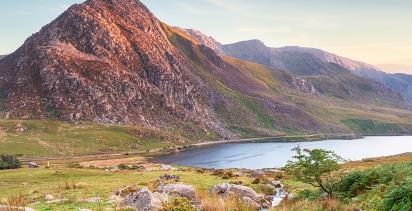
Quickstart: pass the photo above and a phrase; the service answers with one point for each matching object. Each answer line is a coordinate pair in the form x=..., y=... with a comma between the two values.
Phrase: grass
x=45, y=138
x=371, y=127
x=76, y=185
x=26, y=186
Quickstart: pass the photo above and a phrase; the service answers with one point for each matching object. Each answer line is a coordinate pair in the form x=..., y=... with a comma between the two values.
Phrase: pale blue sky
x=374, y=31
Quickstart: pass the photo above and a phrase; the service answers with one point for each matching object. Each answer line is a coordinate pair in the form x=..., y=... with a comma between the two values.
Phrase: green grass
x=58, y=138
x=33, y=184
x=371, y=127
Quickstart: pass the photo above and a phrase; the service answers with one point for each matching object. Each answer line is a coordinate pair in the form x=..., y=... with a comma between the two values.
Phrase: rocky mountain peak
x=103, y=60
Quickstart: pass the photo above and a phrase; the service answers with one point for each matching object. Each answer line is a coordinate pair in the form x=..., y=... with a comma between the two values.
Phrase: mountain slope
x=113, y=62
x=310, y=61
x=331, y=74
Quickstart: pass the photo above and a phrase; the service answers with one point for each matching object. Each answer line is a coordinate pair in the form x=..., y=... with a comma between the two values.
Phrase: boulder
x=164, y=167
x=145, y=200
x=93, y=200
x=248, y=195
x=238, y=191
x=257, y=174
x=33, y=165
x=49, y=197
x=178, y=190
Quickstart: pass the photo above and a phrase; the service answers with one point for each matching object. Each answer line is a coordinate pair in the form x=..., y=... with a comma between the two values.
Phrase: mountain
x=208, y=41
x=331, y=74
x=114, y=62
x=310, y=61
x=105, y=61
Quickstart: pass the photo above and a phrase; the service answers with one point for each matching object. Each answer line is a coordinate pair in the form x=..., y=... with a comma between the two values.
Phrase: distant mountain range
x=306, y=61
x=114, y=62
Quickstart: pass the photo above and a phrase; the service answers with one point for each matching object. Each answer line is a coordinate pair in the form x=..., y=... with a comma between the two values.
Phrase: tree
x=316, y=167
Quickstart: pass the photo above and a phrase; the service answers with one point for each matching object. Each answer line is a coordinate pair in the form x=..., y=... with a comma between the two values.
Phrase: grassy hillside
x=258, y=101
x=56, y=138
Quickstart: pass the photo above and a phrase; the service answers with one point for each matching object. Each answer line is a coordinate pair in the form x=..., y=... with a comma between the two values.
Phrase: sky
x=378, y=32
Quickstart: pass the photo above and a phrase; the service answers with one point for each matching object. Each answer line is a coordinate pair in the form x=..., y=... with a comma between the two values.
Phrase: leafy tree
x=9, y=162
x=317, y=167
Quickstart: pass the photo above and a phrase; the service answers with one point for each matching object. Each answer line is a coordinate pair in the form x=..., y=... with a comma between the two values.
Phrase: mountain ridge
x=256, y=51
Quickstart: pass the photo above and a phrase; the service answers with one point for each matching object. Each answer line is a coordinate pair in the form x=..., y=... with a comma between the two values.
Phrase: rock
x=93, y=200
x=248, y=195
x=170, y=177
x=277, y=184
x=56, y=201
x=239, y=191
x=257, y=174
x=20, y=128
x=238, y=174
x=181, y=190
x=251, y=202
x=33, y=165
x=164, y=167
x=49, y=197
x=84, y=209
x=145, y=200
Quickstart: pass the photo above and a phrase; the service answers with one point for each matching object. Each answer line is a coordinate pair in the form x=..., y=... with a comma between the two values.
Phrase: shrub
x=178, y=204
x=399, y=198
x=358, y=182
x=122, y=166
x=9, y=162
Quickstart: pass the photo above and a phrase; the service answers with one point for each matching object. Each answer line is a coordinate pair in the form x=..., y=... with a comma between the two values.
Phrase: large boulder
x=33, y=165
x=248, y=195
x=240, y=191
x=145, y=200
x=164, y=167
x=179, y=190
x=257, y=174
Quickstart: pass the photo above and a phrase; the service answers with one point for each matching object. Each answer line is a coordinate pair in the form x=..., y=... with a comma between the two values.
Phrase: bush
x=122, y=166
x=9, y=162
x=399, y=198
x=358, y=182
x=308, y=194
x=178, y=204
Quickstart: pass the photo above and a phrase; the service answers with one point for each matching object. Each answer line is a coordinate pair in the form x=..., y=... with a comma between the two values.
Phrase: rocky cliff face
x=106, y=61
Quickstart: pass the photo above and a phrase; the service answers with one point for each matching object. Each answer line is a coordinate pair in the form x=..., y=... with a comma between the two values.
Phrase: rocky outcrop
x=145, y=200
x=248, y=195
x=178, y=190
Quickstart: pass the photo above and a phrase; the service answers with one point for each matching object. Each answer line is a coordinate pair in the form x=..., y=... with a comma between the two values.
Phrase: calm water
x=269, y=155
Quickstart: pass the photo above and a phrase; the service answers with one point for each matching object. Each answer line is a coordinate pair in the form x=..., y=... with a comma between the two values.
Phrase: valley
x=109, y=108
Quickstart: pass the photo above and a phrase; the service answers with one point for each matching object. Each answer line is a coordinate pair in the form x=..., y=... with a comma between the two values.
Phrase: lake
x=276, y=154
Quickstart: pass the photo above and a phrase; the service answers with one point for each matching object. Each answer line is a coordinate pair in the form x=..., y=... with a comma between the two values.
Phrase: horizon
x=382, y=38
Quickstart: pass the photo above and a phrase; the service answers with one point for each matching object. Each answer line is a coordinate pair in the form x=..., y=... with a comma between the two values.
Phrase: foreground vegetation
x=378, y=187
